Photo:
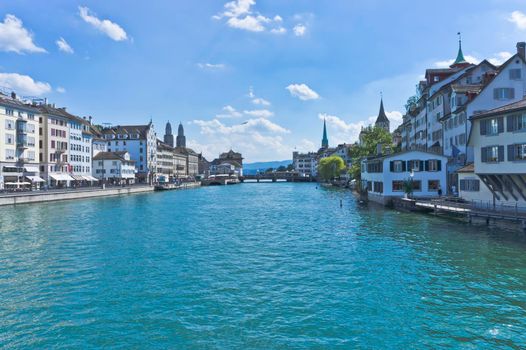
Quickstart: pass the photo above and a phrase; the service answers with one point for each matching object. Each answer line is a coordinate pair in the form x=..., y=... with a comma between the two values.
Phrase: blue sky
x=254, y=75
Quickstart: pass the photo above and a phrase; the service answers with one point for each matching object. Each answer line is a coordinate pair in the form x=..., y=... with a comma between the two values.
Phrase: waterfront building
x=343, y=151
x=385, y=176
x=180, y=164
x=165, y=162
x=498, y=174
x=141, y=142
x=115, y=168
x=304, y=163
x=19, y=146
x=228, y=163
x=203, y=166
x=99, y=143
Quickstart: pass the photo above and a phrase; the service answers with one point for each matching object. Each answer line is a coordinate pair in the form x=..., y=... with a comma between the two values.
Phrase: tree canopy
x=372, y=138
x=331, y=167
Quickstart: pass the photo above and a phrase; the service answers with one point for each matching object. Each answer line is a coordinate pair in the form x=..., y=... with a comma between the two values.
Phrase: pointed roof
x=382, y=117
x=460, y=55
x=325, y=139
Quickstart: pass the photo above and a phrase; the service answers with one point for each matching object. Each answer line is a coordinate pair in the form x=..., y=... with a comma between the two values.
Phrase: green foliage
x=290, y=167
x=412, y=103
x=281, y=168
x=373, y=137
x=408, y=186
x=269, y=170
x=331, y=167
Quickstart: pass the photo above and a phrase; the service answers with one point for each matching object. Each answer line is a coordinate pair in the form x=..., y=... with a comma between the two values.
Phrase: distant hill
x=252, y=168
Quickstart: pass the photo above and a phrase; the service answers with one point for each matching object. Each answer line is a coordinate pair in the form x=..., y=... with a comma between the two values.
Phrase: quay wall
x=42, y=197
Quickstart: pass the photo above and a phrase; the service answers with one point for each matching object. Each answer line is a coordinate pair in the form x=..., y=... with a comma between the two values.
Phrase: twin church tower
x=169, y=137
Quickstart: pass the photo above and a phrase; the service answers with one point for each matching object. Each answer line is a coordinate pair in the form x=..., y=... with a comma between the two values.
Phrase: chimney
x=521, y=49
x=89, y=118
x=379, y=149
x=13, y=95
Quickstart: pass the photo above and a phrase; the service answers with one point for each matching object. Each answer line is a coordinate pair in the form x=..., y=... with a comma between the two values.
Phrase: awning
x=31, y=169
x=90, y=178
x=35, y=179
x=17, y=183
x=61, y=177
x=77, y=177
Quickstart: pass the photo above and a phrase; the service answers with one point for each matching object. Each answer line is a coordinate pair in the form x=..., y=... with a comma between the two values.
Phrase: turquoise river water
x=254, y=266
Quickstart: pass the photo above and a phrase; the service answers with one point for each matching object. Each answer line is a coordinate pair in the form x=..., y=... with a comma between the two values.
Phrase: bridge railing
x=515, y=209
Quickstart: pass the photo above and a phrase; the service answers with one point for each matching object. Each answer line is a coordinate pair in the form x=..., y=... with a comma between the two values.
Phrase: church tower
x=181, y=139
x=168, y=136
x=324, y=140
x=382, y=121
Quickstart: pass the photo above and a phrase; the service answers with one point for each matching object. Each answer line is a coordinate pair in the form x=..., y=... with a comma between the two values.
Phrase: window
x=397, y=166
x=432, y=185
x=515, y=74
x=415, y=165
x=492, y=154
x=9, y=111
x=470, y=185
x=516, y=122
x=378, y=187
x=9, y=139
x=493, y=126
x=417, y=185
x=9, y=124
x=433, y=165
x=503, y=93
x=398, y=186
x=436, y=78
x=517, y=152
x=9, y=154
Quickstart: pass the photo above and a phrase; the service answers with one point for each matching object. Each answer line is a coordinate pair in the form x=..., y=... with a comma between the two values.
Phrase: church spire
x=460, y=60
x=382, y=121
x=325, y=139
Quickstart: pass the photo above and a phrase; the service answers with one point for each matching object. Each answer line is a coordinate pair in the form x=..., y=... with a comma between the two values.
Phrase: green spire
x=460, y=55
x=324, y=140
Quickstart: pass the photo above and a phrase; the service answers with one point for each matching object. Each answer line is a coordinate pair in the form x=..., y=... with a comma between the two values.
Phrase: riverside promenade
x=69, y=194
x=79, y=193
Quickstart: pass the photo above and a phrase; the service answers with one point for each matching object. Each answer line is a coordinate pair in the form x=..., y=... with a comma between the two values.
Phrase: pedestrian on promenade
x=439, y=191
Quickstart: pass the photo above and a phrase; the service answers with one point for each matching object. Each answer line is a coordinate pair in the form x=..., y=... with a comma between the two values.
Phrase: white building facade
x=384, y=177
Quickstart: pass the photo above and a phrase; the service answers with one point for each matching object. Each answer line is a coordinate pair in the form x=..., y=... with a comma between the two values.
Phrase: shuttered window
x=492, y=154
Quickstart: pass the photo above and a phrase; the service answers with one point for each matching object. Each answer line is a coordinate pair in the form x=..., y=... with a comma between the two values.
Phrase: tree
x=290, y=167
x=281, y=168
x=331, y=167
x=372, y=138
x=269, y=170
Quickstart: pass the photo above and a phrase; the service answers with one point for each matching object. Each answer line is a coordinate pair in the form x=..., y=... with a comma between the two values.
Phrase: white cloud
x=447, y=63
x=15, y=38
x=260, y=101
x=279, y=30
x=257, y=100
x=303, y=92
x=61, y=90
x=229, y=112
x=257, y=139
x=299, y=30
x=500, y=58
x=64, y=46
x=259, y=113
x=23, y=84
x=112, y=30
x=240, y=16
x=519, y=19
x=211, y=66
